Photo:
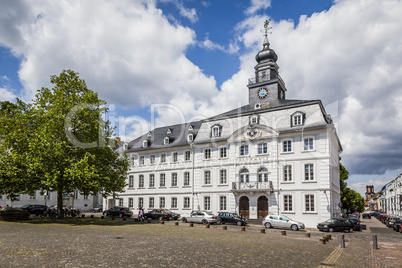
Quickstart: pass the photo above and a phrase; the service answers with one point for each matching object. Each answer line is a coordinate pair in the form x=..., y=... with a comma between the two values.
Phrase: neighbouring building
x=271, y=156
x=391, y=197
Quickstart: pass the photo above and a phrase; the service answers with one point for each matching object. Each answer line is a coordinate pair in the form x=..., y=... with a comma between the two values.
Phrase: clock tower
x=267, y=85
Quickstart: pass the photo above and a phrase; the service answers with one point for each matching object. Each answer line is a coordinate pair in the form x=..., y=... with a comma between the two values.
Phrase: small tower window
x=169, y=131
x=149, y=134
x=145, y=144
x=216, y=131
x=254, y=119
x=190, y=127
x=190, y=137
x=297, y=119
x=166, y=140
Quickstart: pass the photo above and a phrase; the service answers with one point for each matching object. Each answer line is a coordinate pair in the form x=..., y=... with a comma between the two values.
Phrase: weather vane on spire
x=266, y=27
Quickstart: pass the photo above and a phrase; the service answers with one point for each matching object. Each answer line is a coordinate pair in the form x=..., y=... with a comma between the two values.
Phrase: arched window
x=244, y=175
x=263, y=175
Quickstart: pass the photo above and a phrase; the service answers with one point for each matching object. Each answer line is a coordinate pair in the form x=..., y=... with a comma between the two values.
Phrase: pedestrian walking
x=140, y=214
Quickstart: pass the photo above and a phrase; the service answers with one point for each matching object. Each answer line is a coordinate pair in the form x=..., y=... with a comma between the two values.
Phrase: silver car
x=281, y=222
x=203, y=217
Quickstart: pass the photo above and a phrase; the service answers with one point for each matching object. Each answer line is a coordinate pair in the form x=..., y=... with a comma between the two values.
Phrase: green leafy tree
x=351, y=200
x=62, y=142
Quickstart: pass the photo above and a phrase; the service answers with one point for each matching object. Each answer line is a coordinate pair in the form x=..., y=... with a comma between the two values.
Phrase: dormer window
x=125, y=147
x=166, y=140
x=149, y=134
x=169, y=131
x=145, y=144
x=298, y=119
x=216, y=131
x=190, y=127
x=190, y=137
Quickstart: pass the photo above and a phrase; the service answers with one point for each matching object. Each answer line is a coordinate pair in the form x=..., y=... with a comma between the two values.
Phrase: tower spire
x=265, y=31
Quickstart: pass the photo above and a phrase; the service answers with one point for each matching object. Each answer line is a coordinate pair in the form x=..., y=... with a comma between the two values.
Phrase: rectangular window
x=287, y=146
x=161, y=202
x=151, y=202
x=287, y=173
x=151, y=180
x=130, y=202
x=163, y=158
x=287, y=203
x=120, y=201
x=297, y=120
x=215, y=132
x=186, y=203
x=309, y=201
x=186, y=178
x=174, y=157
x=207, y=177
x=187, y=156
x=141, y=181
x=174, y=179
x=33, y=197
x=85, y=197
x=162, y=182
x=142, y=160
x=308, y=144
x=152, y=159
x=309, y=172
x=223, y=176
x=262, y=148
x=207, y=203
x=174, y=202
x=223, y=152
x=130, y=181
x=76, y=194
x=207, y=154
x=222, y=203
x=244, y=150
x=140, y=202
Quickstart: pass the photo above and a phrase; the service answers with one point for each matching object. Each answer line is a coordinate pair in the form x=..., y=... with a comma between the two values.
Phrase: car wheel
x=294, y=227
x=331, y=230
x=219, y=221
x=184, y=220
x=204, y=221
x=268, y=225
x=350, y=230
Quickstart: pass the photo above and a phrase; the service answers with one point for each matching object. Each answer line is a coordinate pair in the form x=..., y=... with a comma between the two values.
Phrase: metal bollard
x=176, y=223
x=307, y=235
x=102, y=217
x=342, y=241
x=243, y=228
x=283, y=232
x=191, y=224
x=149, y=220
x=92, y=216
x=263, y=231
x=124, y=219
x=162, y=222
x=224, y=227
x=322, y=241
x=375, y=245
x=207, y=225
x=83, y=215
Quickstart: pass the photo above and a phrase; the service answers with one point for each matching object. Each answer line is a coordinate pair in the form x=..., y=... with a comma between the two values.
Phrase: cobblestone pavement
x=131, y=244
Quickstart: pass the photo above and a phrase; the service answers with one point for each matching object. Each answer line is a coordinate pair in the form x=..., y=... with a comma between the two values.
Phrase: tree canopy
x=351, y=200
x=60, y=142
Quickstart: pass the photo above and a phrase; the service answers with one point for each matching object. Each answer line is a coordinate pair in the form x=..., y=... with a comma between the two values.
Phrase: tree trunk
x=60, y=210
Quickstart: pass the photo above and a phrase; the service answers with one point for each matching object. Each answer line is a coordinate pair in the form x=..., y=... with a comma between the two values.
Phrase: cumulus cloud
x=257, y=5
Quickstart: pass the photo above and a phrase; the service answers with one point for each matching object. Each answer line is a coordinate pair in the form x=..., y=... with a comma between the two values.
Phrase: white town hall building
x=271, y=156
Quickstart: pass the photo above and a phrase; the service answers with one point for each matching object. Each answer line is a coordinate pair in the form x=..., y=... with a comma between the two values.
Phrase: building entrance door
x=244, y=206
x=262, y=206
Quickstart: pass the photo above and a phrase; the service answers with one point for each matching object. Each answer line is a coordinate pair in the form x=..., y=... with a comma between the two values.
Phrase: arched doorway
x=262, y=206
x=244, y=206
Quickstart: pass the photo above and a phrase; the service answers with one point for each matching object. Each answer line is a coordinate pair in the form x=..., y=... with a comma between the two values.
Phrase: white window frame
x=223, y=152
x=262, y=175
x=151, y=202
x=309, y=146
x=166, y=140
x=187, y=155
x=142, y=160
x=163, y=158
x=130, y=202
x=174, y=179
x=223, y=176
x=244, y=176
x=286, y=144
x=207, y=203
x=263, y=149
x=287, y=173
x=162, y=202
x=309, y=203
x=207, y=153
x=243, y=150
x=216, y=131
x=186, y=181
x=151, y=180
x=121, y=202
x=309, y=175
x=145, y=144
x=141, y=181
x=288, y=203
x=140, y=202
x=190, y=137
x=152, y=159
x=130, y=181
x=207, y=177
x=173, y=202
x=222, y=203
x=162, y=178
x=297, y=120
x=254, y=119
x=175, y=157
x=186, y=202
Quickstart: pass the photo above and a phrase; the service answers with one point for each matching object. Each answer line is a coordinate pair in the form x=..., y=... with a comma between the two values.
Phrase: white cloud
x=257, y=5
x=6, y=95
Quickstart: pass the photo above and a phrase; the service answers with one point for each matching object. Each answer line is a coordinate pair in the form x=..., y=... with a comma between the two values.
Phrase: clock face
x=262, y=93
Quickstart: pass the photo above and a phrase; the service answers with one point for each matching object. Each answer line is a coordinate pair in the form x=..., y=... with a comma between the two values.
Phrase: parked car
x=203, y=217
x=35, y=209
x=390, y=221
x=357, y=214
x=281, y=222
x=118, y=211
x=333, y=225
x=366, y=216
x=397, y=225
x=161, y=214
x=356, y=224
x=98, y=208
x=231, y=218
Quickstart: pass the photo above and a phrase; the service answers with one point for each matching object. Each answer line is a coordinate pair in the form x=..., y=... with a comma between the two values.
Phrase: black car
x=356, y=224
x=366, y=216
x=119, y=212
x=231, y=218
x=332, y=225
x=161, y=214
x=35, y=209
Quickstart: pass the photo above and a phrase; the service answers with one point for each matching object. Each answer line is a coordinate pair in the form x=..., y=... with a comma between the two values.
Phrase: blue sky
x=168, y=61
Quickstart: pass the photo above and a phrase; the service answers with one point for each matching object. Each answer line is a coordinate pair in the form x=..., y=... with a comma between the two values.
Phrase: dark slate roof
x=177, y=137
x=264, y=106
x=179, y=132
